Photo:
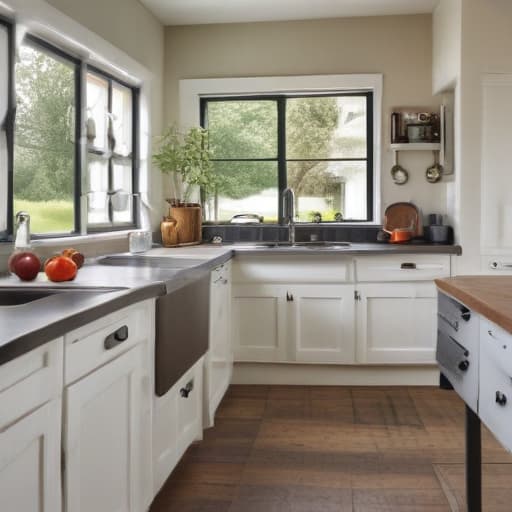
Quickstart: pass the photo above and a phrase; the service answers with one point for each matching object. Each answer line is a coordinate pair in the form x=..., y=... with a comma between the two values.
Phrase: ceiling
x=197, y=12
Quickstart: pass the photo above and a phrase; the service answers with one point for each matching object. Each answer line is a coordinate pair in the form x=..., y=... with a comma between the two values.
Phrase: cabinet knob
x=464, y=365
x=501, y=399
x=289, y=297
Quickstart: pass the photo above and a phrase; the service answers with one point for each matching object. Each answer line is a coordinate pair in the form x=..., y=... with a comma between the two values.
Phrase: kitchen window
x=321, y=146
x=68, y=144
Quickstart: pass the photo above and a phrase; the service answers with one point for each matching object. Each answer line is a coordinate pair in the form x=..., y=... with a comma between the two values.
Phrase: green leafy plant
x=187, y=155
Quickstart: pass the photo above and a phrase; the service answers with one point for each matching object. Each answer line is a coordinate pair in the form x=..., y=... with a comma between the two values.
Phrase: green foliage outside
x=44, y=145
x=248, y=129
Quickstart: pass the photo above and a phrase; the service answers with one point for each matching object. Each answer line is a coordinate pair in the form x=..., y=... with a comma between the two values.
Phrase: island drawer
x=29, y=381
x=98, y=342
x=495, y=400
x=403, y=267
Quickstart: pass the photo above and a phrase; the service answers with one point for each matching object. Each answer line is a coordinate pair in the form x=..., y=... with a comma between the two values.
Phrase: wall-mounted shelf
x=417, y=146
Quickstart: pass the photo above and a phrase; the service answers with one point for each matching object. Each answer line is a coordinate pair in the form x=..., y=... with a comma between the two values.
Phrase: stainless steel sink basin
x=307, y=245
x=15, y=296
x=127, y=260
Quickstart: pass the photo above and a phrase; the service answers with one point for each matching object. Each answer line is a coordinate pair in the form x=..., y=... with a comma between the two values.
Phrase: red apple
x=26, y=265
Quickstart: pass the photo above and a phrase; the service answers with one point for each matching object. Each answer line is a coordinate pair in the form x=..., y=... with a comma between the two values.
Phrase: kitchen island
x=474, y=352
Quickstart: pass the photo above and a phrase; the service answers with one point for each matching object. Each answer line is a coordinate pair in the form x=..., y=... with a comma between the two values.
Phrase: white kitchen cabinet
x=30, y=461
x=178, y=421
x=106, y=437
x=397, y=323
x=311, y=323
x=30, y=430
x=259, y=322
x=322, y=323
x=219, y=359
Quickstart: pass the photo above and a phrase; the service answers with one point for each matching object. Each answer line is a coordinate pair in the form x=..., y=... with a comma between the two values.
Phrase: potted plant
x=186, y=157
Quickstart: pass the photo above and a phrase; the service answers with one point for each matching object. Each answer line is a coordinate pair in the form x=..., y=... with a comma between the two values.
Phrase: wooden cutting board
x=403, y=215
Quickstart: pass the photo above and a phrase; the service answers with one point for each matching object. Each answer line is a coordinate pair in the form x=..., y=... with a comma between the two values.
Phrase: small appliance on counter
x=436, y=232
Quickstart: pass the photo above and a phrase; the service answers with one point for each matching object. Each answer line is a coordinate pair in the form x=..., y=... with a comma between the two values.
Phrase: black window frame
x=120, y=226
x=9, y=122
x=281, y=158
x=81, y=68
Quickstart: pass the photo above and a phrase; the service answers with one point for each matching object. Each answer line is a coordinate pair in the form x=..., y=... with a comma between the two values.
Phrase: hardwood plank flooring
x=343, y=449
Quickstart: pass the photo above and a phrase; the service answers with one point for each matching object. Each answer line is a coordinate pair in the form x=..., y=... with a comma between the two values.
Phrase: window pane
x=242, y=129
x=326, y=127
x=245, y=187
x=122, y=119
x=4, y=97
x=44, y=148
x=122, y=199
x=97, y=112
x=329, y=189
x=97, y=206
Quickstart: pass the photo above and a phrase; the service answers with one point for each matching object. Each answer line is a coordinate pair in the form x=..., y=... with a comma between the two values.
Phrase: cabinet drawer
x=414, y=267
x=94, y=344
x=30, y=381
x=285, y=268
x=495, y=400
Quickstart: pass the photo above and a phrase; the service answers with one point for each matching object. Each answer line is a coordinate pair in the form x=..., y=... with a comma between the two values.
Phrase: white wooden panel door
x=397, y=323
x=259, y=322
x=30, y=462
x=106, y=438
x=322, y=325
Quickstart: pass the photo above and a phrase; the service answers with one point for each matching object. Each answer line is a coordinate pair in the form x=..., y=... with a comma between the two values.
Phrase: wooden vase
x=188, y=224
x=169, y=231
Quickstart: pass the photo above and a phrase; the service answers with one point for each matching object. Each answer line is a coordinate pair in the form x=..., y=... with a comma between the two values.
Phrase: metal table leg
x=473, y=462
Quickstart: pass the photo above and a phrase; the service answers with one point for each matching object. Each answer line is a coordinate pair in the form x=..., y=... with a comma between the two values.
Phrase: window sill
x=6, y=247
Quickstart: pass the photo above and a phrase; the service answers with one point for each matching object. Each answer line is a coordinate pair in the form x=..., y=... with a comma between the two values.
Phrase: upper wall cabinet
x=496, y=178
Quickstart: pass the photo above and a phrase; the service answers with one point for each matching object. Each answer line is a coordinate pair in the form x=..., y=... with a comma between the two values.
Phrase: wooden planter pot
x=182, y=226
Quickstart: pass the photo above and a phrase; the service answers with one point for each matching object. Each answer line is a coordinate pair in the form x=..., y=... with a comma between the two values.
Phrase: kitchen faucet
x=289, y=213
x=22, y=239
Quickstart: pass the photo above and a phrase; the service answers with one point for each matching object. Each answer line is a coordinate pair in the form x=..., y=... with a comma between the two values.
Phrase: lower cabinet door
x=397, y=323
x=322, y=321
x=259, y=322
x=107, y=437
x=30, y=462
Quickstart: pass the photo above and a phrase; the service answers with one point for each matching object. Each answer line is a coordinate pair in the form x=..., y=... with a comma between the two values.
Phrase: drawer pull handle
x=184, y=392
x=116, y=338
x=289, y=297
x=409, y=266
x=501, y=399
x=464, y=365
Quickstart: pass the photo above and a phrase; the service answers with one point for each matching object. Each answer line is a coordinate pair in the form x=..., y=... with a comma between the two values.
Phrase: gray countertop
x=24, y=327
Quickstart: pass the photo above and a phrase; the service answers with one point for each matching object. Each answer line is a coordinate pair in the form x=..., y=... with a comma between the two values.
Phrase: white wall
x=399, y=47
x=446, y=44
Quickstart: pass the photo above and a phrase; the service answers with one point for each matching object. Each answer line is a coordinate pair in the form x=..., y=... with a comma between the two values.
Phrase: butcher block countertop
x=490, y=296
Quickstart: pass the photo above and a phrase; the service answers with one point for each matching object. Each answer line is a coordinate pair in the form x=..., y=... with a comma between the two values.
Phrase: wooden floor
x=327, y=449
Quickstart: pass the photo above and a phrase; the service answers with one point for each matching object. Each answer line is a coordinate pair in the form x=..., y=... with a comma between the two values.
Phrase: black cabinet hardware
x=289, y=297
x=501, y=399
x=410, y=266
x=117, y=337
x=184, y=392
x=464, y=365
